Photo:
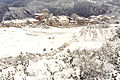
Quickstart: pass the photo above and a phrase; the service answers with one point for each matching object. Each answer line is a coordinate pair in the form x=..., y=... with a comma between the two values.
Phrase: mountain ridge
x=85, y=8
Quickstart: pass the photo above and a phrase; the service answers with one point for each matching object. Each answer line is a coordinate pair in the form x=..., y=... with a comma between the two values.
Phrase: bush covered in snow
x=101, y=64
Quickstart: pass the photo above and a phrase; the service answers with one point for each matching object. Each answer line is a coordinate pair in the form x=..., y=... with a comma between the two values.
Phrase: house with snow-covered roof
x=32, y=21
x=19, y=22
x=41, y=16
x=7, y=23
x=63, y=19
x=81, y=21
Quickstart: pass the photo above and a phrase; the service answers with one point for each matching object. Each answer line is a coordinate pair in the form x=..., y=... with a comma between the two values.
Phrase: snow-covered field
x=35, y=40
x=16, y=40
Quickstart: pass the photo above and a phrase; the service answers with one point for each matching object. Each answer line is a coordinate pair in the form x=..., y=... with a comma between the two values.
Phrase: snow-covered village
x=48, y=19
x=60, y=47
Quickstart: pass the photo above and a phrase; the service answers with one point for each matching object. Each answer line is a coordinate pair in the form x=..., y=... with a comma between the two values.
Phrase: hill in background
x=13, y=9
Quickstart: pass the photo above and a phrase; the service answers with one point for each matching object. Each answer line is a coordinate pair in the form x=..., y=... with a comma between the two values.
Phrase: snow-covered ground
x=35, y=40
x=71, y=49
